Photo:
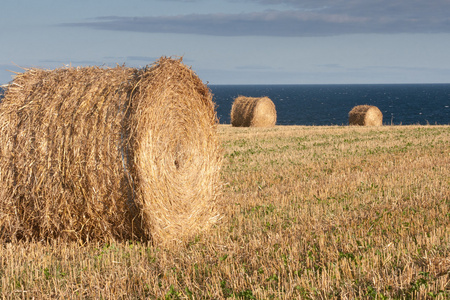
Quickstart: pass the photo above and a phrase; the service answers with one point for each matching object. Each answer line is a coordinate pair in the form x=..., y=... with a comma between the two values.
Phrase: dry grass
x=108, y=153
x=365, y=115
x=253, y=112
x=309, y=213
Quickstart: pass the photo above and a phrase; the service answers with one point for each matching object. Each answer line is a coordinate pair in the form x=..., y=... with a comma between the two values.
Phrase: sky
x=235, y=41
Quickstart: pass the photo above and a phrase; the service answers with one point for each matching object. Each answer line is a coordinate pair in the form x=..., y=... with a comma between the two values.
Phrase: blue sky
x=236, y=41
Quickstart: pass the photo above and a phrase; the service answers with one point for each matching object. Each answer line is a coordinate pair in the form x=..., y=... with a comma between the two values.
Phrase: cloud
x=420, y=7
x=316, y=18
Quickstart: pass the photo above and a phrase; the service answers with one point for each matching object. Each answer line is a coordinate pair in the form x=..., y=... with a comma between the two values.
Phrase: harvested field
x=309, y=212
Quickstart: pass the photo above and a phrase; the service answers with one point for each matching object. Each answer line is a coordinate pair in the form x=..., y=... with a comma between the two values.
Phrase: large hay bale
x=94, y=153
x=365, y=115
x=253, y=112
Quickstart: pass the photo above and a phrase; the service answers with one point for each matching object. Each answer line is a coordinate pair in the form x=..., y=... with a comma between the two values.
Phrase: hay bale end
x=108, y=153
x=365, y=115
x=253, y=112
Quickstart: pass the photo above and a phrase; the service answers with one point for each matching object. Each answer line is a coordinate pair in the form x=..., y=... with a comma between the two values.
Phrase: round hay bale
x=365, y=115
x=93, y=153
x=253, y=112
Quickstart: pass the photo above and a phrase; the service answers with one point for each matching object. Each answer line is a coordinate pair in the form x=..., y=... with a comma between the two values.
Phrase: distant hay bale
x=253, y=112
x=116, y=153
x=365, y=115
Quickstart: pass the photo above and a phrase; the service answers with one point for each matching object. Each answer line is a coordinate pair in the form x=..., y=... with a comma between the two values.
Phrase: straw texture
x=94, y=153
x=365, y=115
x=253, y=112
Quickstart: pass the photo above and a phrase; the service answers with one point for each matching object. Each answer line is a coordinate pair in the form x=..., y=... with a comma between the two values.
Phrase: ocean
x=401, y=104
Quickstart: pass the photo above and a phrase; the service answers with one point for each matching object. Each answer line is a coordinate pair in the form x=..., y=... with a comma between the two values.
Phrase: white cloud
x=352, y=17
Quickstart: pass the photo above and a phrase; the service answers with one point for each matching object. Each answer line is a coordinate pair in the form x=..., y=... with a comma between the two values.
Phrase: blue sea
x=403, y=104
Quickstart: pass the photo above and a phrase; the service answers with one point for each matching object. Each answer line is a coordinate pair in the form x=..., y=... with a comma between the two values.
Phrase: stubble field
x=308, y=212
